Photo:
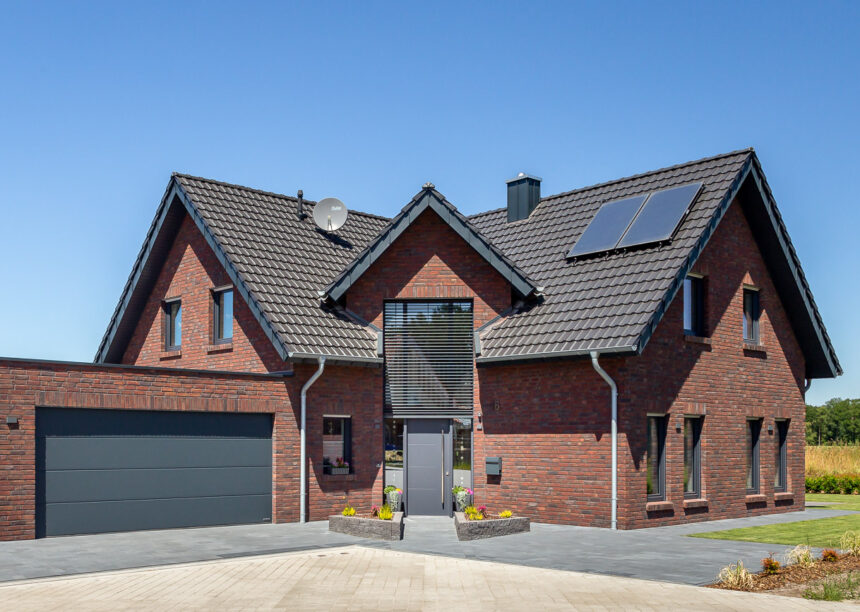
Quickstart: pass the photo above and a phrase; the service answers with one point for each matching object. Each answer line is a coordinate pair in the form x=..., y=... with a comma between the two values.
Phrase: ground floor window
x=393, y=440
x=692, y=457
x=656, y=458
x=337, y=445
x=753, y=431
x=463, y=453
x=780, y=459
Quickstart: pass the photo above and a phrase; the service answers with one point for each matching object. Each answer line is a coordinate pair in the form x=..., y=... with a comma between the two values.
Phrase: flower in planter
x=385, y=513
x=348, y=511
x=339, y=462
x=482, y=509
x=374, y=511
x=506, y=514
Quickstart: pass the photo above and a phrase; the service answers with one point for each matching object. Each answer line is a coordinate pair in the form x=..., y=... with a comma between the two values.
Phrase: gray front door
x=122, y=470
x=428, y=466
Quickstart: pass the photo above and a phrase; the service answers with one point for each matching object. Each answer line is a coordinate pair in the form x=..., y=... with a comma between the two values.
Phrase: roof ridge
x=627, y=178
x=264, y=192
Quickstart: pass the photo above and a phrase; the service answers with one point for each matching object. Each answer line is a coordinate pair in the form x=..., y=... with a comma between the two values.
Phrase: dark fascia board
x=429, y=198
x=556, y=355
x=752, y=170
x=176, y=192
x=25, y=362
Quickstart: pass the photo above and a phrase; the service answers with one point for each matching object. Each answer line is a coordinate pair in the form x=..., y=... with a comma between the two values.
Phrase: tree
x=836, y=422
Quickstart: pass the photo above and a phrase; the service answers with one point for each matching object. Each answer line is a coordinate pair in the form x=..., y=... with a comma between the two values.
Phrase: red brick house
x=629, y=354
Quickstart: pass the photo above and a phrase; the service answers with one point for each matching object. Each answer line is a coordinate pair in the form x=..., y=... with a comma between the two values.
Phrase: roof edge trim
x=429, y=198
x=558, y=354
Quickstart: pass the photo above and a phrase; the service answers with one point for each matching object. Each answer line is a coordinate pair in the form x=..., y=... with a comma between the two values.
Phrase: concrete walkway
x=656, y=554
x=362, y=578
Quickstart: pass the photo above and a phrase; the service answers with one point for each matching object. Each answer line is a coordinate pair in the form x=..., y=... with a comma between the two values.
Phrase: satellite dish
x=330, y=214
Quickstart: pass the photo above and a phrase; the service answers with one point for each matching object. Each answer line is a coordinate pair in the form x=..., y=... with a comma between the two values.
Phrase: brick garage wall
x=190, y=272
x=24, y=385
x=550, y=421
x=429, y=260
x=355, y=392
x=722, y=381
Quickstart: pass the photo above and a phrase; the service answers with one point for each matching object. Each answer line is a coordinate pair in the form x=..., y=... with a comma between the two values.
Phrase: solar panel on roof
x=607, y=226
x=660, y=216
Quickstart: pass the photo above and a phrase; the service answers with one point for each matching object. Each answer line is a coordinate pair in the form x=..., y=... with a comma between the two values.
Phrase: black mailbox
x=494, y=466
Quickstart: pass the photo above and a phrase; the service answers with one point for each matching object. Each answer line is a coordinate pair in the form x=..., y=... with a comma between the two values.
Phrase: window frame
x=662, y=420
x=752, y=316
x=696, y=421
x=170, y=318
x=218, y=315
x=695, y=305
x=781, y=467
x=346, y=421
x=753, y=425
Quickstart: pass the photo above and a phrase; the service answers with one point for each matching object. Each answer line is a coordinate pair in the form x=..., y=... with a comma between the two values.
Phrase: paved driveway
x=362, y=578
x=661, y=553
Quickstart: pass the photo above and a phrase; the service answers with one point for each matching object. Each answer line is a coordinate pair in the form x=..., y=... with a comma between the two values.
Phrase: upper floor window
x=780, y=476
x=752, y=455
x=694, y=306
x=655, y=462
x=751, y=315
x=172, y=325
x=223, y=315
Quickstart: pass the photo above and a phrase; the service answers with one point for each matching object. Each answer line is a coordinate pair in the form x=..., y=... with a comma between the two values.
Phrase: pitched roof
x=283, y=265
x=428, y=197
x=278, y=262
x=614, y=303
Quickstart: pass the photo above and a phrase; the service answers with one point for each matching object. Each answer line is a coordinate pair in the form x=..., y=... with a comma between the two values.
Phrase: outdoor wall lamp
x=11, y=420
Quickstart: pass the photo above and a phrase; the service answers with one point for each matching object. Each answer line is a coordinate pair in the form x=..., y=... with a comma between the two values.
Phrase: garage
x=123, y=470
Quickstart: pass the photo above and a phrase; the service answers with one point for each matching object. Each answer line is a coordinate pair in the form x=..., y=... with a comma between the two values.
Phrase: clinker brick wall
x=190, y=272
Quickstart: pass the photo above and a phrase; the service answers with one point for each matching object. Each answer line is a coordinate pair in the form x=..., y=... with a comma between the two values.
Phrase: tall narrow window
x=780, y=480
x=752, y=455
x=751, y=316
x=223, y=315
x=692, y=458
x=656, y=458
x=694, y=306
x=337, y=445
x=172, y=325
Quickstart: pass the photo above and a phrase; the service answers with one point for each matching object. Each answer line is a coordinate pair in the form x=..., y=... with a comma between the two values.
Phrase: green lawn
x=821, y=533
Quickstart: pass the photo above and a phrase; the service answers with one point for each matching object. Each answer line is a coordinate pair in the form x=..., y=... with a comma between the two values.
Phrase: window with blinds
x=429, y=357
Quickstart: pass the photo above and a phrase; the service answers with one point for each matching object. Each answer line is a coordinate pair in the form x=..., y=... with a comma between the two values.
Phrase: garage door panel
x=114, y=485
x=112, y=470
x=97, y=452
x=129, y=515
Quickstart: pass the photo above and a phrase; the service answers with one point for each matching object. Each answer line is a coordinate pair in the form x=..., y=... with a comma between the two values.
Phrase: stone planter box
x=368, y=527
x=338, y=470
x=488, y=528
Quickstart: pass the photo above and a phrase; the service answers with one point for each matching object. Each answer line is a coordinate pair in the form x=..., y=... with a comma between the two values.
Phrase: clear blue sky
x=367, y=101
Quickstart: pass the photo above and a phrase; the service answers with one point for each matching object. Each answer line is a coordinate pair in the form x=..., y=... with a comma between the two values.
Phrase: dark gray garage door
x=116, y=470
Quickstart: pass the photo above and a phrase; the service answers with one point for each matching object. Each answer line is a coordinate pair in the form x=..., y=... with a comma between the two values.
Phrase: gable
x=190, y=272
x=429, y=260
x=429, y=198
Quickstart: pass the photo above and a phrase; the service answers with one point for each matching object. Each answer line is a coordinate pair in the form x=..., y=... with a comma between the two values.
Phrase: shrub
x=506, y=514
x=838, y=484
x=850, y=542
x=735, y=576
x=799, y=555
x=385, y=513
x=829, y=555
x=769, y=565
x=348, y=511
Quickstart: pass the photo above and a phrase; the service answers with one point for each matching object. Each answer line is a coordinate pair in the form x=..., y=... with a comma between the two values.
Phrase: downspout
x=594, y=356
x=303, y=468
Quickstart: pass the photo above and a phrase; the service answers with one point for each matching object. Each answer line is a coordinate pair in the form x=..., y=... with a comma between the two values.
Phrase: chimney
x=523, y=196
